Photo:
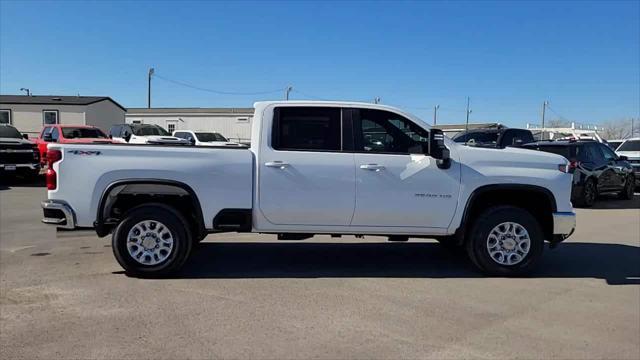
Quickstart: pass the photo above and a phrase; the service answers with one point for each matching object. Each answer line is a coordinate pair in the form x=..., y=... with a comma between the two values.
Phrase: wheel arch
x=149, y=187
x=503, y=194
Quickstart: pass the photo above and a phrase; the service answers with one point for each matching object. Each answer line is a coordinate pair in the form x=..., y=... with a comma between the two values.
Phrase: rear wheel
x=629, y=188
x=588, y=194
x=152, y=240
x=505, y=241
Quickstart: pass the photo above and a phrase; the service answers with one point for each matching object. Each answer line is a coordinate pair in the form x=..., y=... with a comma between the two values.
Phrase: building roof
x=189, y=110
x=55, y=100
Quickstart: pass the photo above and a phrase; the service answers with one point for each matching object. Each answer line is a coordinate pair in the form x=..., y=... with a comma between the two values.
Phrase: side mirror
x=438, y=150
x=110, y=136
x=191, y=140
x=47, y=137
x=127, y=136
x=623, y=158
x=25, y=136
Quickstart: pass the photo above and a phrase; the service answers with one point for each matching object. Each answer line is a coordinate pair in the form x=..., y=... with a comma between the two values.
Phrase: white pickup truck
x=315, y=168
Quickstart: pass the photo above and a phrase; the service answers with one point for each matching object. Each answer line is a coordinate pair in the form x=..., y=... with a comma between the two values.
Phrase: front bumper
x=564, y=223
x=58, y=212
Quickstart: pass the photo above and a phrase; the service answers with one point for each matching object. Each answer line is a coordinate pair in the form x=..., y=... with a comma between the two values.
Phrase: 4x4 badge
x=84, y=152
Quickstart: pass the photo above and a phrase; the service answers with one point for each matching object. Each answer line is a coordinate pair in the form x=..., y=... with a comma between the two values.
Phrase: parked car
x=143, y=134
x=630, y=148
x=308, y=172
x=596, y=169
x=68, y=134
x=204, y=138
x=494, y=137
x=18, y=155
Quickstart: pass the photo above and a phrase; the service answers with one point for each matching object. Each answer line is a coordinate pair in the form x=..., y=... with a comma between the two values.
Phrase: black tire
x=588, y=194
x=174, y=222
x=629, y=188
x=476, y=244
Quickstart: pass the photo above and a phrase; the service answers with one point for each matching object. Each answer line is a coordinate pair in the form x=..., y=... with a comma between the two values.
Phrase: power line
x=308, y=95
x=556, y=113
x=181, y=83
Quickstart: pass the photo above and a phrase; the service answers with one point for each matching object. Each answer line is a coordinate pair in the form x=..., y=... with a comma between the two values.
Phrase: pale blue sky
x=584, y=57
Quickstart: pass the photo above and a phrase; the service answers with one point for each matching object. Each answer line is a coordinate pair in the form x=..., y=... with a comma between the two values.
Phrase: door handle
x=372, y=167
x=276, y=164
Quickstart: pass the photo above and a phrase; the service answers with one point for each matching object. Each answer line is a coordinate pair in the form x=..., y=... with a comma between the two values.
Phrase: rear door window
x=559, y=150
x=307, y=129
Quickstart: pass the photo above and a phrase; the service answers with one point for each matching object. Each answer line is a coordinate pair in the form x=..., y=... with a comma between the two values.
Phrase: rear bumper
x=35, y=166
x=59, y=213
x=564, y=223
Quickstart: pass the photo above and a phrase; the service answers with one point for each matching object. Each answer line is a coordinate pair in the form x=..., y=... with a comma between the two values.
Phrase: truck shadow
x=616, y=264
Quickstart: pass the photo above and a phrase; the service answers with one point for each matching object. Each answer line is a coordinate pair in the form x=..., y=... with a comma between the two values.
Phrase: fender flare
x=103, y=229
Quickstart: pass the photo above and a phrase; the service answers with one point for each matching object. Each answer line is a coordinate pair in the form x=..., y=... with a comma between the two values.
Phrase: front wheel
x=629, y=188
x=152, y=240
x=505, y=241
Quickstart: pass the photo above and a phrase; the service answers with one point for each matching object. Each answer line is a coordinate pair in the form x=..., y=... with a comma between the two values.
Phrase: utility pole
x=376, y=100
x=632, y=129
x=287, y=91
x=466, y=127
x=435, y=114
x=26, y=90
x=151, y=71
x=544, y=110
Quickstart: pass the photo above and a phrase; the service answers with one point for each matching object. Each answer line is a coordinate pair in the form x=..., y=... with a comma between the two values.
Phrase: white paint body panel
x=313, y=192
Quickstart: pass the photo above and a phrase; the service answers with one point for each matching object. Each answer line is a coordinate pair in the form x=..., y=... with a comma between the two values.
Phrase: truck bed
x=99, y=166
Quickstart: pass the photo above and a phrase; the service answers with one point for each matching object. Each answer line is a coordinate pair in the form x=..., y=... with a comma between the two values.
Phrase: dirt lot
x=250, y=296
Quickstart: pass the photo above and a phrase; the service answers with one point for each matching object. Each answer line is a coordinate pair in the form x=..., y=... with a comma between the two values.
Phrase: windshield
x=477, y=138
x=78, y=133
x=630, y=145
x=147, y=130
x=208, y=137
x=9, y=132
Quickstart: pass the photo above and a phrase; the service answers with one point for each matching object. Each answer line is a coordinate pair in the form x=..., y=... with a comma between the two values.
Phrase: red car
x=68, y=134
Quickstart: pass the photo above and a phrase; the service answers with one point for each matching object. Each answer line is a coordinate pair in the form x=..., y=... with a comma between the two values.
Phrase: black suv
x=18, y=155
x=495, y=138
x=596, y=169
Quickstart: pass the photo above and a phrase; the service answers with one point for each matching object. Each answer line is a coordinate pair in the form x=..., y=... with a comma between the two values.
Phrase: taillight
x=53, y=156
x=36, y=153
x=569, y=168
x=573, y=165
